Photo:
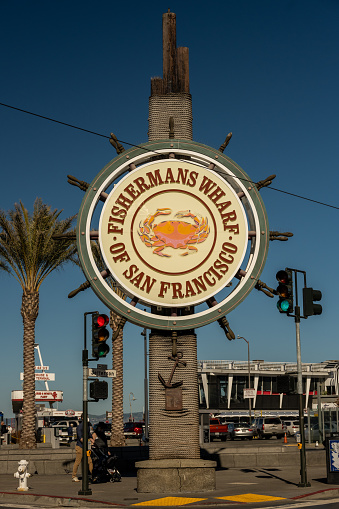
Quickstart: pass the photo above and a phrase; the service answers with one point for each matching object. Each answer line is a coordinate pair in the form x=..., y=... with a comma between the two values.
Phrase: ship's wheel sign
x=181, y=225
x=173, y=233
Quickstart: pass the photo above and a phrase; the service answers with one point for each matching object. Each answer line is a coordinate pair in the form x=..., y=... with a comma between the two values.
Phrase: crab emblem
x=175, y=234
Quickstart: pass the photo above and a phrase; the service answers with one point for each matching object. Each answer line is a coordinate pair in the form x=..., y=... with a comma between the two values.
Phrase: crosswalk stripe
x=250, y=497
x=170, y=501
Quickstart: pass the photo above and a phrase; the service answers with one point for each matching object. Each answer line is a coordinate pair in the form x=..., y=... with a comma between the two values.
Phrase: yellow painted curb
x=170, y=501
x=251, y=497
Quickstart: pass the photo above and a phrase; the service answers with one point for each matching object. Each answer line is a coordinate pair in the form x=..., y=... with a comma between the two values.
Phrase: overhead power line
x=138, y=146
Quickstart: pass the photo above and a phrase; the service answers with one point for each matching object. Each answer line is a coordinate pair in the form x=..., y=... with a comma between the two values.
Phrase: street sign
x=249, y=393
x=39, y=395
x=42, y=377
x=110, y=373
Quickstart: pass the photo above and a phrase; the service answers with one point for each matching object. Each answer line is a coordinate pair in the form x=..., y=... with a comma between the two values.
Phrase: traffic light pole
x=285, y=305
x=84, y=464
x=303, y=472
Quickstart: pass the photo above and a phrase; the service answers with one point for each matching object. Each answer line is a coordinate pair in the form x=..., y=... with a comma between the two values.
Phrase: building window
x=223, y=382
x=217, y=391
x=239, y=383
x=267, y=384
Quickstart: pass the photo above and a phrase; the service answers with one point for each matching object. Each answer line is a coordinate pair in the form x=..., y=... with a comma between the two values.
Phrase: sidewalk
x=234, y=484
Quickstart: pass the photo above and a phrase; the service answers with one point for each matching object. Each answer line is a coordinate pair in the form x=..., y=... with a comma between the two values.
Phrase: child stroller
x=104, y=468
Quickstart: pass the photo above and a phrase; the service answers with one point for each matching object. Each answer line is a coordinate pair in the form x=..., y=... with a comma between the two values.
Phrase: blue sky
x=266, y=70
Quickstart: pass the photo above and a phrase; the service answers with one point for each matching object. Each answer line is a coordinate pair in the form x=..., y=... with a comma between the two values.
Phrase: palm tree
x=117, y=428
x=29, y=253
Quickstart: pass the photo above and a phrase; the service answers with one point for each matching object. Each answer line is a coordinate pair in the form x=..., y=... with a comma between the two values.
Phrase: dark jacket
x=80, y=433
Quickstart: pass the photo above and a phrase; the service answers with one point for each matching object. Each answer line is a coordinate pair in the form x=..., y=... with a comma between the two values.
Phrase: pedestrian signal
x=98, y=390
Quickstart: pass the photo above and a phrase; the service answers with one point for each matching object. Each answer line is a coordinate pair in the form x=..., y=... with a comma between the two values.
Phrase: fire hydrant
x=22, y=474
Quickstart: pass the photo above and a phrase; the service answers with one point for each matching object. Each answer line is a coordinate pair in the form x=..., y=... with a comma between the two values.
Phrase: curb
x=315, y=493
x=57, y=501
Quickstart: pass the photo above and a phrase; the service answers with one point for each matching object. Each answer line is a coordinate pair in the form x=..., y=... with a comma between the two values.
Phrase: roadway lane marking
x=242, y=483
x=171, y=501
x=250, y=497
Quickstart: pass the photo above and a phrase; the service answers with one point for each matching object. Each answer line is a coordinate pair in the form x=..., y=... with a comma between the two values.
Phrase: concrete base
x=175, y=475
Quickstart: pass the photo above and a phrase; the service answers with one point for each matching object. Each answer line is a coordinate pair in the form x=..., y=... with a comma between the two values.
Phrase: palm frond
x=27, y=249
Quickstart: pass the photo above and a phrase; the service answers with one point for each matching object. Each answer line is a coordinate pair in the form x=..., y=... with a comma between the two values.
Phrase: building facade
x=222, y=384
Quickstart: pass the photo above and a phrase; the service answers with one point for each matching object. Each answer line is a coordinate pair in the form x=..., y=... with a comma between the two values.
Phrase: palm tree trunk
x=117, y=428
x=29, y=313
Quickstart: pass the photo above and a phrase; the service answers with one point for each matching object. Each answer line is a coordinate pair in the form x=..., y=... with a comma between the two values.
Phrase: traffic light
x=309, y=297
x=99, y=335
x=285, y=291
x=98, y=390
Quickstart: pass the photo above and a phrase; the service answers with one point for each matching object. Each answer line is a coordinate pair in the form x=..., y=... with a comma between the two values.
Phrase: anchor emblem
x=177, y=362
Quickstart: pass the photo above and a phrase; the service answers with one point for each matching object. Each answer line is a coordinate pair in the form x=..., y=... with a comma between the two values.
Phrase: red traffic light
x=101, y=320
x=282, y=276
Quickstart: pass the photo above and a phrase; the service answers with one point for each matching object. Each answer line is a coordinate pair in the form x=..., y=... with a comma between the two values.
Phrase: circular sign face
x=173, y=233
x=175, y=224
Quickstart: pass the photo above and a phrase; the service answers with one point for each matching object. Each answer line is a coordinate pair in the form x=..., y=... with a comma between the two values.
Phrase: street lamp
x=130, y=405
x=144, y=333
x=249, y=375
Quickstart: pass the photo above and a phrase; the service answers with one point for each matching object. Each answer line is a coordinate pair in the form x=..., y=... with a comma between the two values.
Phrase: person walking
x=3, y=431
x=79, y=450
x=70, y=433
x=99, y=437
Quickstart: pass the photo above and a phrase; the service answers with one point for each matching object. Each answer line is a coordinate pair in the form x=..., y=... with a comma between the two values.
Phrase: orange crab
x=175, y=234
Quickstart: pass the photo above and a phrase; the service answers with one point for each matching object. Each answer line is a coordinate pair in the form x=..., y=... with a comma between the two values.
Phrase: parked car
x=65, y=424
x=240, y=430
x=133, y=429
x=107, y=428
x=316, y=434
x=267, y=427
x=62, y=430
x=292, y=427
x=218, y=429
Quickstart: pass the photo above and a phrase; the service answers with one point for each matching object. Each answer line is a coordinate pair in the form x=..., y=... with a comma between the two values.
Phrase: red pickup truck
x=218, y=430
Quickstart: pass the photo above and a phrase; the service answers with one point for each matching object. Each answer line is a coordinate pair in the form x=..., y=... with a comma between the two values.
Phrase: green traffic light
x=103, y=350
x=285, y=305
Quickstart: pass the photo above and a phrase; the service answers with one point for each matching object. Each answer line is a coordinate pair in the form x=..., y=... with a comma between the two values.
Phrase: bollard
x=22, y=474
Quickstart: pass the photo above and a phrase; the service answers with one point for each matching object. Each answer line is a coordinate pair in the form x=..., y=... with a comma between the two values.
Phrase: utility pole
x=249, y=375
x=144, y=333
